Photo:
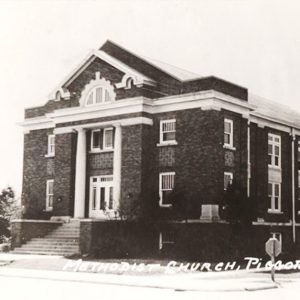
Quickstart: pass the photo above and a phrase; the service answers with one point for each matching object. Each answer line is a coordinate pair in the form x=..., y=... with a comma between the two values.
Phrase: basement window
x=228, y=178
x=277, y=236
x=166, y=240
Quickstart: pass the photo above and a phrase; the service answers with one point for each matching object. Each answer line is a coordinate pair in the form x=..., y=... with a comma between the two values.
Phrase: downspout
x=248, y=158
x=293, y=186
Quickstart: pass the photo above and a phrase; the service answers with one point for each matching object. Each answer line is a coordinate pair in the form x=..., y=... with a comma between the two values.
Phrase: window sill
x=229, y=147
x=49, y=155
x=48, y=209
x=274, y=167
x=171, y=143
x=165, y=205
x=275, y=212
x=101, y=151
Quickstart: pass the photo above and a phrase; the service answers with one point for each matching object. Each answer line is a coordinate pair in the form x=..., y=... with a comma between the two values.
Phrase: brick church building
x=122, y=132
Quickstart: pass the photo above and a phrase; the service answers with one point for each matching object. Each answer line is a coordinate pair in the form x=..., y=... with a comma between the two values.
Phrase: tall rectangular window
x=96, y=139
x=102, y=139
x=108, y=138
x=167, y=131
x=49, y=194
x=298, y=152
x=274, y=196
x=274, y=150
x=166, y=186
x=51, y=145
x=228, y=133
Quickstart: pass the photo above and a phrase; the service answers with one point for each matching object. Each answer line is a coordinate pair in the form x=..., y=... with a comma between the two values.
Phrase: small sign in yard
x=273, y=249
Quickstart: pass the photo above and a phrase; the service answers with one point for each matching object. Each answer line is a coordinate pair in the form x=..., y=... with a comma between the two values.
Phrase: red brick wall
x=64, y=179
x=35, y=173
x=259, y=173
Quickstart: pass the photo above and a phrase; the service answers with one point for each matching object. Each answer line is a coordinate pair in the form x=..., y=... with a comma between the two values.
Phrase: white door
x=101, y=196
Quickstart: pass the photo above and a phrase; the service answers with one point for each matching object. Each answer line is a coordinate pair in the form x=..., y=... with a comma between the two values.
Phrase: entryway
x=101, y=196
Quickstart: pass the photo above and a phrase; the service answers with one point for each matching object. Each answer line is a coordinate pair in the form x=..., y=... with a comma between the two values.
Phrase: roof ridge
x=151, y=61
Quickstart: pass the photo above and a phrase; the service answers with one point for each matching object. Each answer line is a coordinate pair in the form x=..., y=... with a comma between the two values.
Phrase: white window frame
x=272, y=208
x=161, y=132
x=161, y=189
x=94, y=149
x=230, y=174
x=162, y=242
x=273, y=144
x=48, y=195
x=51, y=145
x=230, y=144
x=106, y=97
x=104, y=146
x=98, y=184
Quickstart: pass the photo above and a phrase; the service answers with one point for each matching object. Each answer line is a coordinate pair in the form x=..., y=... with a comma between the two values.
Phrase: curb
x=110, y=280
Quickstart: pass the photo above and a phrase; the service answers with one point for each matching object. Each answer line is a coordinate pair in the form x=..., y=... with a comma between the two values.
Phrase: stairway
x=63, y=241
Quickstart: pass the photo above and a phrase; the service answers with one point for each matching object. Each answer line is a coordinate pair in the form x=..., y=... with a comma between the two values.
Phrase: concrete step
x=50, y=247
x=51, y=244
x=56, y=240
x=63, y=241
x=43, y=250
x=65, y=253
x=66, y=231
x=68, y=237
x=68, y=243
x=63, y=237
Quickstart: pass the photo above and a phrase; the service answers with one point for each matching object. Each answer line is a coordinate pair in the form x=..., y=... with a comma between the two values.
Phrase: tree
x=238, y=207
x=7, y=210
x=179, y=203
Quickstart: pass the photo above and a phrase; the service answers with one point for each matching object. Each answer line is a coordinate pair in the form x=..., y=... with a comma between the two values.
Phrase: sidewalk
x=52, y=267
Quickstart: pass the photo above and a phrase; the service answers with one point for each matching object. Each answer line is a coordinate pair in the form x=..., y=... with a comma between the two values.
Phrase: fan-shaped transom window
x=98, y=95
x=98, y=91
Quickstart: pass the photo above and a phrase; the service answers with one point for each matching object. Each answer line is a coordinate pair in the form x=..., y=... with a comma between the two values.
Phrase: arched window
x=97, y=92
x=98, y=95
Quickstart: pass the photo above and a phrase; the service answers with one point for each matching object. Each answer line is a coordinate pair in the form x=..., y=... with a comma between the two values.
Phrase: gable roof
x=105, y=57
x=124, y=54
x=176, y=72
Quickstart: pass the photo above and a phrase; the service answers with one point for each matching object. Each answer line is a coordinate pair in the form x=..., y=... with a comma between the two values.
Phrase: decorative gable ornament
x=128, y=80
x=61, y=93
x=99, y=91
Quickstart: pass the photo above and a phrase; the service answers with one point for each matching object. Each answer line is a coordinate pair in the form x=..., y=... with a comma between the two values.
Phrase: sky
x=252, y=43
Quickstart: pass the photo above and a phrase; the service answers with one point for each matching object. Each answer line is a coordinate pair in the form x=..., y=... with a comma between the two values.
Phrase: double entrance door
x=101, y=196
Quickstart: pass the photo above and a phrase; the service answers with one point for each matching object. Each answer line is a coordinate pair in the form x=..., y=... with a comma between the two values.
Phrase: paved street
x=44, y=277
x=15, y=287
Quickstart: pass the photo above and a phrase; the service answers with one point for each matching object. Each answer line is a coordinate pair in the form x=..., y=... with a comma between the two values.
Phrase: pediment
x=129, y=75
